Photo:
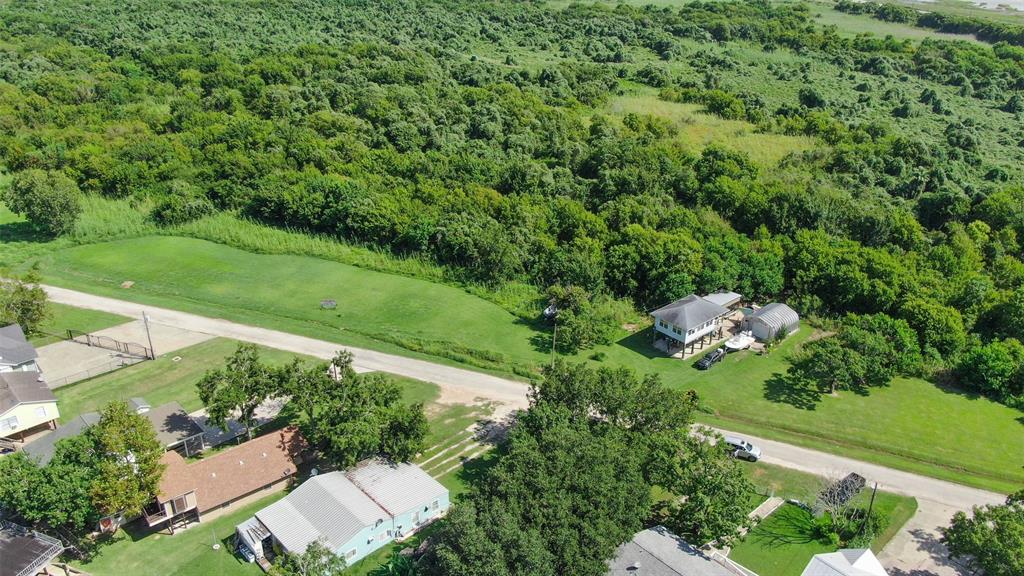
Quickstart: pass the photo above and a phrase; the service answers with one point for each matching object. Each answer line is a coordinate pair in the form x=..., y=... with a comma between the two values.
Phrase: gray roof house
x=658, y=552
x=175, y=430
x=16, y=352
x=353, y=513
x=43, y=448
x=767, y=322
x=688, y=319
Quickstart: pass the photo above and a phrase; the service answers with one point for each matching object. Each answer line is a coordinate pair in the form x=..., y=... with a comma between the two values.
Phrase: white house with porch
x=689, y=321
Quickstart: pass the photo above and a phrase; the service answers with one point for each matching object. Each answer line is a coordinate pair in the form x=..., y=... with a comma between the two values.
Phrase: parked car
x=739, y=448
x=710, y=358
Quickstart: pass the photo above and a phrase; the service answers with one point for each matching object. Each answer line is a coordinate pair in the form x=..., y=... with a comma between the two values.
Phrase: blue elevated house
x=353, y=513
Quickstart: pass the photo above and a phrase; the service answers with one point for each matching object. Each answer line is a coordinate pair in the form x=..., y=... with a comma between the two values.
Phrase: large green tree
x=47, y=198
x=715, y=505
x=363, y=416
x=991, y=538
x=241, y=386
x=574, y=479
x=23, y=301
x=129, y=468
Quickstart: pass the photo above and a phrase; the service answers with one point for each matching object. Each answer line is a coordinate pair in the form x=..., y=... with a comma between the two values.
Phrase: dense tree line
x=397, y=127
x=574, y=478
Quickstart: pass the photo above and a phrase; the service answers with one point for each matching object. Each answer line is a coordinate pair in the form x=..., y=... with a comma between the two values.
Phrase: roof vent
x=213, y=474
x=241, y=462
x=264, y=454
x=633, y=567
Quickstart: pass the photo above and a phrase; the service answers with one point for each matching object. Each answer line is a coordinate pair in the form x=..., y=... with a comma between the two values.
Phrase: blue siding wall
x=371, y=539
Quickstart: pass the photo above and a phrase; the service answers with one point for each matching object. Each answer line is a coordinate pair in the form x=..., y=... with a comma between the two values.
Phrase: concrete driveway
x=67, y=362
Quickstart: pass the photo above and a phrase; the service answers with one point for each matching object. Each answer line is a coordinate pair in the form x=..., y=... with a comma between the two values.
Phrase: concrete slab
x=64, y=363
x=166, y=339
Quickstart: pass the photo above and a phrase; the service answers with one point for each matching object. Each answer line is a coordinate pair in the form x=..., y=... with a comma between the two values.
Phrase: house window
x=9, y=423
x=350, y=554
x=41, y=411
x=436, y=504
x=179, y=504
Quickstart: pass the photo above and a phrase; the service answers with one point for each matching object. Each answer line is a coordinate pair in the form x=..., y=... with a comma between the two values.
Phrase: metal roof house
x=767, y=322
x=353, y=513
x=688, y=319
x=848, y=562
x=25, y=552
x=26, y=404
x=658, y=552
x=16, y=352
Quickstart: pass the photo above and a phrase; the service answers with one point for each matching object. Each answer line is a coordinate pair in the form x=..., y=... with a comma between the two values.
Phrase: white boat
x=741, y=341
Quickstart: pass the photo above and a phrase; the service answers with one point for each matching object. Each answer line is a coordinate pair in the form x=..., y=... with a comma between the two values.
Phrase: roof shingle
x=233, y=473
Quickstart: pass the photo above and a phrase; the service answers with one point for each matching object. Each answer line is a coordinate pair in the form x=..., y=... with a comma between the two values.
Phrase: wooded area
x=475, y=134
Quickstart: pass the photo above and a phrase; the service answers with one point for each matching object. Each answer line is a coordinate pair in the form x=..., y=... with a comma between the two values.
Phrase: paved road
x=914, y=552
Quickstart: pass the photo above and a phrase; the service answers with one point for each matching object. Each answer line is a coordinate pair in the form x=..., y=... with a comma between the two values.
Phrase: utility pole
x=871, y=506
x=145, y=321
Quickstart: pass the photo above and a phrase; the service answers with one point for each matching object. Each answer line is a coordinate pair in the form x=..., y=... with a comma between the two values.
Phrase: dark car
x=709, y=360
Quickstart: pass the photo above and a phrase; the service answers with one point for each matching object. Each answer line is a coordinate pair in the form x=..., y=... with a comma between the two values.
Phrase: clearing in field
x=697, y=128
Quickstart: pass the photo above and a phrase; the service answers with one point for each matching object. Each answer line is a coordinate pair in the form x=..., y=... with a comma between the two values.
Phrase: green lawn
x=781, y=544
x=63, y=318
x=904, y=425
x=187, y=553
x=158, y=381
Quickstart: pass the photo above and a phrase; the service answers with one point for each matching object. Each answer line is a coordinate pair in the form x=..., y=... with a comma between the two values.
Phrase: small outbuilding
x=767, y=322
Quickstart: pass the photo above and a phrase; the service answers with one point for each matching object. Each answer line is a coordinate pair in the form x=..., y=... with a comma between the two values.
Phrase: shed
x=767, y=322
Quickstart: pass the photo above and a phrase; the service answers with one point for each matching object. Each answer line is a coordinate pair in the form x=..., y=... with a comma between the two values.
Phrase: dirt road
x=916, y=551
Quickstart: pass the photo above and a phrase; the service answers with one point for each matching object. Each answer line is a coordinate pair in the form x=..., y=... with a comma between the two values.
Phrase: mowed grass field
x=781, y=544
x=906, y=425
x=62, y=318
x=171, y=377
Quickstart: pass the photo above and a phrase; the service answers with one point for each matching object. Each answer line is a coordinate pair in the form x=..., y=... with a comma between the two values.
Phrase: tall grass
x=105, y=220
x=225, y=228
